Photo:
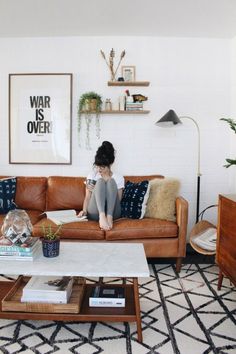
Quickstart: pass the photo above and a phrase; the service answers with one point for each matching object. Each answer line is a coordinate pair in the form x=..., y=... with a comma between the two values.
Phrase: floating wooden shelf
x=118, y=112
x=125, y=112
x=128, y=83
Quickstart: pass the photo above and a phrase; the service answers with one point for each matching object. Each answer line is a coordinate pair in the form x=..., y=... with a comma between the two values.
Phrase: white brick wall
x=191, y=76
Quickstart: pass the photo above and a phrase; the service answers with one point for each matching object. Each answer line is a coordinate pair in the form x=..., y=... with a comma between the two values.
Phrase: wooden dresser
x=226, y=239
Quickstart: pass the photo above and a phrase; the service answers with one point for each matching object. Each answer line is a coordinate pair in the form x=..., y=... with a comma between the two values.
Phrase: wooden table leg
x=220, y=279
x=100, y=280
x=137, y=309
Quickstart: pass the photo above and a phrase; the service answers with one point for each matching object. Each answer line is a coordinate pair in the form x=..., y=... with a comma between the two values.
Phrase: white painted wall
x=232, y=172
x=191, y=76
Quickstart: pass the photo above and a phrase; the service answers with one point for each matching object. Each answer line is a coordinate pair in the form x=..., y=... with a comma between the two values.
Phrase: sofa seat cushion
x=87, y=230
x=125, y=229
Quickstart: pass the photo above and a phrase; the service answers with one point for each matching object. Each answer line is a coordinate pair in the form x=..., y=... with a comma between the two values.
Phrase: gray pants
x=104, y=199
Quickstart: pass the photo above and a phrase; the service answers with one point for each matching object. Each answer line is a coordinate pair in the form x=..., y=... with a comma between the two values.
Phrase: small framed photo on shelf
x=128, y=73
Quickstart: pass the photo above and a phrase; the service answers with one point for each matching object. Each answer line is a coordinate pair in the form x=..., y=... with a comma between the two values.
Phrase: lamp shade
x=169, y=119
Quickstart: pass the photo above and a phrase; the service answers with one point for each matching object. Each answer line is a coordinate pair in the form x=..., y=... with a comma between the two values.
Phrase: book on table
x=64, y=216
x=107, y=296
x=27, y=251
x=27, y=246
x=48, y=289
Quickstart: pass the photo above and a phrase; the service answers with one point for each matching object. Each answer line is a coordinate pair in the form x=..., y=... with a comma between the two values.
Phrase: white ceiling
x=164, y=18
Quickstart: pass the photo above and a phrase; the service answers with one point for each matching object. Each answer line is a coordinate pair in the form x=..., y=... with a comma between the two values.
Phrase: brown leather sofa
x=160, y=238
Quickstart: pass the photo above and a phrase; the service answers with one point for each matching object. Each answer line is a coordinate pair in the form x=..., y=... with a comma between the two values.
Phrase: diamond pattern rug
x=181, y=314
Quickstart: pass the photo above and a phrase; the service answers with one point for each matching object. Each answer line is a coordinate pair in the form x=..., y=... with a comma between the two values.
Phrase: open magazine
x=206, y=239
x=64, y=216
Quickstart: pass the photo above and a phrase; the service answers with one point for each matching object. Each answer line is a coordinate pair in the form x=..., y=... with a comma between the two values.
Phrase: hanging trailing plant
x=232, y=124
x=90, y=103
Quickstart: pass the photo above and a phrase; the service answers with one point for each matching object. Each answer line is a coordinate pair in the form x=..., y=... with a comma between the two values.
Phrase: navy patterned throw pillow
x=7, y=194
x=134, y=200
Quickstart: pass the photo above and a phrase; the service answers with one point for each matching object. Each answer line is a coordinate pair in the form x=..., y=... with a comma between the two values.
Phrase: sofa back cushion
x=137, y=179
x=65, y=193
x=31, y=193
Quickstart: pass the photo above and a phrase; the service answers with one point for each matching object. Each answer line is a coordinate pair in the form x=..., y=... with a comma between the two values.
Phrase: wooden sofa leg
x=178, y=264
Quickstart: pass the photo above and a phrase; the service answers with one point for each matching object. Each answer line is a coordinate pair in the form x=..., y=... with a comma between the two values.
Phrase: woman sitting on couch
x=103, y=189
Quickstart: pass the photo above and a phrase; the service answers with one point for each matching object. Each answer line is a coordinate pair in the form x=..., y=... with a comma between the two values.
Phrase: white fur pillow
x=162, y=196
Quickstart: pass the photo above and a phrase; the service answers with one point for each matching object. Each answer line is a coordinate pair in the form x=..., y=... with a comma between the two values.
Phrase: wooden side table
x=226, y=240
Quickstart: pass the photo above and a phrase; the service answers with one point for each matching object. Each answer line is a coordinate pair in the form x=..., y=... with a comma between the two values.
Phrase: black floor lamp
x=169, y=120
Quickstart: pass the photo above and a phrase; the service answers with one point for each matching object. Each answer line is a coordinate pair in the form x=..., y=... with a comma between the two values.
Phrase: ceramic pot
x=51, y=248
x=91, y=104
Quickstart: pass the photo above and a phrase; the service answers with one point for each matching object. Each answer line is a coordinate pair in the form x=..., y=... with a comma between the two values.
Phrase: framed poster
x=40, y=109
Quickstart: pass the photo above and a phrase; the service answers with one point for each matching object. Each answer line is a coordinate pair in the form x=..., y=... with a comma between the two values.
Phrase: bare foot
x=103, y=223
x=110, y=221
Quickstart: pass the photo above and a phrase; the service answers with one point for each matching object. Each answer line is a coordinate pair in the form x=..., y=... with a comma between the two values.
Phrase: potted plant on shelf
x=89, y=103
x=51, y=241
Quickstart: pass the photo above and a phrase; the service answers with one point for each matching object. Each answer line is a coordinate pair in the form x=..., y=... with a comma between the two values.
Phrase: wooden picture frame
x=40, y=117
x=128, y=73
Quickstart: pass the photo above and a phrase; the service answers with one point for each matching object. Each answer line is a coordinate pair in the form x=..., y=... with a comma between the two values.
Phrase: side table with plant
x=90, y=103
x=51, y=241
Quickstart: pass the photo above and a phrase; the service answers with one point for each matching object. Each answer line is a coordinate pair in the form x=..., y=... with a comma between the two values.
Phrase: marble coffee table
x=122, y=260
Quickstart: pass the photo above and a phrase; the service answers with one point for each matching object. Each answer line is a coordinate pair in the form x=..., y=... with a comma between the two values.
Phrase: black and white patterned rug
x=183, y=314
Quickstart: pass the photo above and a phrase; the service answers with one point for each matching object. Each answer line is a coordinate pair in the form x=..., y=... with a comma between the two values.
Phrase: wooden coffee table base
x=129, y=313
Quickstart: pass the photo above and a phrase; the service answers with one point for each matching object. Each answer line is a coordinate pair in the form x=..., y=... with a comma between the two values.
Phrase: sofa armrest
x=182, y=222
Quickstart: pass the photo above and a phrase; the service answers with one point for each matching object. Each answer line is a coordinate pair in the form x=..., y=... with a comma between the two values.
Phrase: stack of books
x=104, y=296
x=134, y=106
x=47, y=289
x=25, y=252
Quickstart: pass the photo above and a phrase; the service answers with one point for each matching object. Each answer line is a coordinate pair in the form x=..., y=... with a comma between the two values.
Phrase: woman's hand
x=90, y=187
x=90, y=184
x=82, y=213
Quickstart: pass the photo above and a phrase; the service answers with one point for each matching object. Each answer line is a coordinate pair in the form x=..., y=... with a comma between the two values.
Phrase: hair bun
x=108, y=146
x=105, y=154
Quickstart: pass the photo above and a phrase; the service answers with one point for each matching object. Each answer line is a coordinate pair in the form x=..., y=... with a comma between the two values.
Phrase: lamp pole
x=198, y=165
x=170, y=119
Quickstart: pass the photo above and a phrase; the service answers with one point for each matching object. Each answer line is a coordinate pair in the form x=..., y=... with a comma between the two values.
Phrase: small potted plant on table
x=51, y=241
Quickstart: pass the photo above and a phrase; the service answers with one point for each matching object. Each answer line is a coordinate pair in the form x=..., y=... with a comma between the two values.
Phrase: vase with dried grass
x=110, y=62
